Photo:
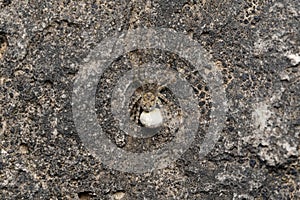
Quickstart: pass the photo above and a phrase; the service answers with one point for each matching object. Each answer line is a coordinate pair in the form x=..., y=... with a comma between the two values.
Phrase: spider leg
x=161, y=96
x=173, y=114
x=135, y=101
x=132, y=114
x=137, y=114
x=132, y=107
x=171, y=105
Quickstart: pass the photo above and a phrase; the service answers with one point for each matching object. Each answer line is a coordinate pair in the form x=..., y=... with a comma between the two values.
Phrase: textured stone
x=254, y=44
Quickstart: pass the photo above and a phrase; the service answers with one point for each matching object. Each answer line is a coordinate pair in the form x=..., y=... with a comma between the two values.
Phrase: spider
x=146, y=99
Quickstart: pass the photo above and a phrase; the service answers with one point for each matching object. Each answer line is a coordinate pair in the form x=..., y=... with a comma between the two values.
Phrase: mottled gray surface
x=255, y=44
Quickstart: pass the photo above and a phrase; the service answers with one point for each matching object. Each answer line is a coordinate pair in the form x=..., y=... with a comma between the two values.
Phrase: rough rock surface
x=256, y=45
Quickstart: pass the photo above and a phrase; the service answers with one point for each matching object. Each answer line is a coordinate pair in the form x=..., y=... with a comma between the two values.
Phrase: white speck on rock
x=118, y=195
x=152, y=119
x=295, y=58
x=3, y=152
x=260, y=116
x=291, y=150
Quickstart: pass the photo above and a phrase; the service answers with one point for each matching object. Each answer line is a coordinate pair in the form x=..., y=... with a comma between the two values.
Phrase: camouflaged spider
x=146, y=99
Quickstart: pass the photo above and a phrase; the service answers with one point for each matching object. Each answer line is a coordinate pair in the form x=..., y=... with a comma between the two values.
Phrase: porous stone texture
x=256, y=46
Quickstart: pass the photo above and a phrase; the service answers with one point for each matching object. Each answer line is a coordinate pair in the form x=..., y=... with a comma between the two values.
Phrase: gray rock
x=253, y=44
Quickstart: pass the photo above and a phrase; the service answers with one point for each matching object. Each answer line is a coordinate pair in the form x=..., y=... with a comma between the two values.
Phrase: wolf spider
x=146, y=98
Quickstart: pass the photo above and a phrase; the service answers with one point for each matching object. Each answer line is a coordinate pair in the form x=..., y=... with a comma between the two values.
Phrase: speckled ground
x=256, y=46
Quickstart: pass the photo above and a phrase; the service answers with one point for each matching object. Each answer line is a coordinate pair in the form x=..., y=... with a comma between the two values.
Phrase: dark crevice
x=5, y=3
x=85, y=195
x=3, y=43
